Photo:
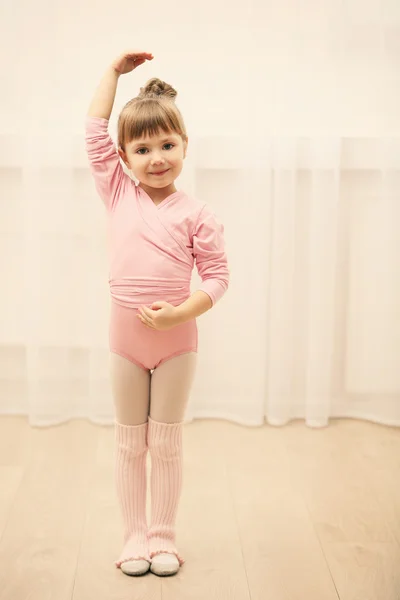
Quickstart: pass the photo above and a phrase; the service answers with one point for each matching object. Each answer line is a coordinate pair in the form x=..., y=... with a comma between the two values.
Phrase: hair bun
x=155, y=88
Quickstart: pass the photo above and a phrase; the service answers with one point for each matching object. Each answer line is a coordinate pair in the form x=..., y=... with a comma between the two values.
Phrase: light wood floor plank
x=285, y=513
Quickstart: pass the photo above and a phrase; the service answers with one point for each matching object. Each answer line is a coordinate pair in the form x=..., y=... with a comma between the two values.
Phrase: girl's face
x=156, y=161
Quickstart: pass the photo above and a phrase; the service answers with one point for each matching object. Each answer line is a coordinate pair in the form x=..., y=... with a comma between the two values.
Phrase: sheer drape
x=293, y=119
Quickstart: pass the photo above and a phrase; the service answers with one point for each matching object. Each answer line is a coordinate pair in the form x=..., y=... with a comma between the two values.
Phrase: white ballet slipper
x=135, y=567
x=164, y=564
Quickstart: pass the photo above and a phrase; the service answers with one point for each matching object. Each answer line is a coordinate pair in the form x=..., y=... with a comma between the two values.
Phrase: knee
x=164, y=450
x=165, y=440
x=132, y=439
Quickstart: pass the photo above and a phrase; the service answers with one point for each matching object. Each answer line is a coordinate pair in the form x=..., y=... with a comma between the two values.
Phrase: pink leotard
x=153, y=250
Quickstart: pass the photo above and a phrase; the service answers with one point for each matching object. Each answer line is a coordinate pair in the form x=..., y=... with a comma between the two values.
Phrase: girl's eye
x=144, y=150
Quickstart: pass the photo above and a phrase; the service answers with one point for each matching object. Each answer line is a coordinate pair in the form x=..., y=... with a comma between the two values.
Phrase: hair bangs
x=148, y=118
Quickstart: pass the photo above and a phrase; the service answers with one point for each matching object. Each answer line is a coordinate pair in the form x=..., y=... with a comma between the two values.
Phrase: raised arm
x=103, y=99
x=104, y=161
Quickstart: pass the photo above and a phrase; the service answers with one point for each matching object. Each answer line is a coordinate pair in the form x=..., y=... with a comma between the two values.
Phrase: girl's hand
x=160, y=316
x=128, y=61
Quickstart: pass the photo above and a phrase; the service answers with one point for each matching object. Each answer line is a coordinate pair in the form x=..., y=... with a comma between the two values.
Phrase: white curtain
x=293, y=115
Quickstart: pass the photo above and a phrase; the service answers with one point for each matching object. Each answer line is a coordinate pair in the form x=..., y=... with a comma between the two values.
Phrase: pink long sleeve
x=210, y=255
x=104, y=161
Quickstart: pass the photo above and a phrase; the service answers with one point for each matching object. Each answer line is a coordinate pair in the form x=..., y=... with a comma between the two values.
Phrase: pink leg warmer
x=130, y=478
x=165, y=446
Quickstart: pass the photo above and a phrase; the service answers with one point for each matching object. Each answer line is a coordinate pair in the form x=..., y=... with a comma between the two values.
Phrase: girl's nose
x=156, y=159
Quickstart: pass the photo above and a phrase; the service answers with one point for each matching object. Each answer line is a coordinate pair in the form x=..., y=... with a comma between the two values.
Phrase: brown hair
x=153, y=110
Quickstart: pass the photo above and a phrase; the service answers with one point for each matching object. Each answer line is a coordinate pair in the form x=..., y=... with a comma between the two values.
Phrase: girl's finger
x=145, y=310
x=139, y=55
x=147, y=321
x=139, y=62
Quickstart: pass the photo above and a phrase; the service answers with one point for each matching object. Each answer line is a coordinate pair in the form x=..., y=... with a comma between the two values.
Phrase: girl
x=156, y=234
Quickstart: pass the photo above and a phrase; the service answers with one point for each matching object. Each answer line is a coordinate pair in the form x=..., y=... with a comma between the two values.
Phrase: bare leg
x=170, y=389
x=130, y=385
x=171, y=384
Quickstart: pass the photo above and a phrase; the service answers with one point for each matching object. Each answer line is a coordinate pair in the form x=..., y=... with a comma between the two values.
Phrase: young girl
x=156, y=234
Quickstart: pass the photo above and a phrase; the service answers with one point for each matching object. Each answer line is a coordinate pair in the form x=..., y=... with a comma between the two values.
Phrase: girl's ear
x=123, y=156
x=185, y=145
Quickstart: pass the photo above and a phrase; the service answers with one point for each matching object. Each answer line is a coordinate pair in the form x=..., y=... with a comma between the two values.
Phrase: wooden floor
x=266, y=513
